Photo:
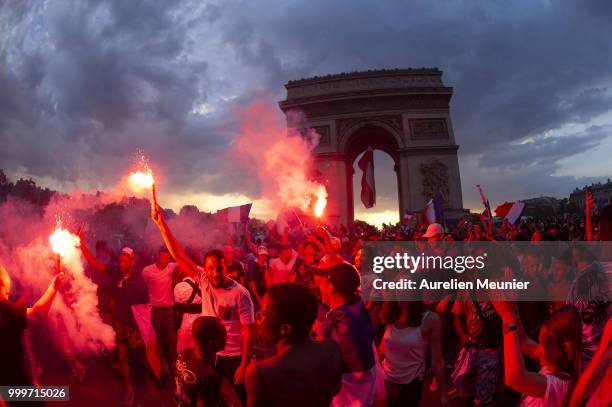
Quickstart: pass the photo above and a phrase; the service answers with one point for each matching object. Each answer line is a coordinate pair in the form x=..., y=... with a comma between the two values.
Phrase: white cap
x=434, y=229
x=128, y=251
x=184, y=290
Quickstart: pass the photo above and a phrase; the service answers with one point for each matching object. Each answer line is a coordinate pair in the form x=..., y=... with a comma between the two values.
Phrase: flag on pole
x=432, y=213
x=511, y=211
x=515, y=212
x=368, y=190
x=503, y=209
x=234, y=214
x=486, y=203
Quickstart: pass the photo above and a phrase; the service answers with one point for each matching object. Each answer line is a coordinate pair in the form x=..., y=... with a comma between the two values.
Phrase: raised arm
x=517, y=375
x=528, y=345
x=89, y=257
x=433, y=329
x=175, y=249
x=40, y=309
x=593, y=375
x=249, y=239
x=285, y=236
x=321, y=231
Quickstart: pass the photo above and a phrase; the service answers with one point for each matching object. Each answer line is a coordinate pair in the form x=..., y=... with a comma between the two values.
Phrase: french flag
x=234, y=214
x=432, y=213
x=511, y=211
x=368, y=190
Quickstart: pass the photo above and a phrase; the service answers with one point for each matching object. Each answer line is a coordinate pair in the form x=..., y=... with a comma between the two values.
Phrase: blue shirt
x=350, y=326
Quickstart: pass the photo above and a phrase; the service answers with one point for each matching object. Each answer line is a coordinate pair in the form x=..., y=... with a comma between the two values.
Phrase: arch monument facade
x=404, y=112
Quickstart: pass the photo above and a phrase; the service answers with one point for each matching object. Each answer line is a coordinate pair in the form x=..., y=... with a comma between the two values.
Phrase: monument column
x=336, y=174
x=403, y=184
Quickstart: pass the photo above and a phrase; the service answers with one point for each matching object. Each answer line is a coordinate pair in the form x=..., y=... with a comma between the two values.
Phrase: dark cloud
x=545, y=151
x=85, y=84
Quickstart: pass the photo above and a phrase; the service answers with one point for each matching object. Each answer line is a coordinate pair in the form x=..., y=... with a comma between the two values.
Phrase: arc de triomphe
x=404, y=112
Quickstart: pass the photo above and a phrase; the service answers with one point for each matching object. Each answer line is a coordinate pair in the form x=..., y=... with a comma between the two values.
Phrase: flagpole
x=487, y=206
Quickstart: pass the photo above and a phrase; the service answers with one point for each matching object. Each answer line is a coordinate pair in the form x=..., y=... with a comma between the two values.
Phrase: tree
x=4, y=186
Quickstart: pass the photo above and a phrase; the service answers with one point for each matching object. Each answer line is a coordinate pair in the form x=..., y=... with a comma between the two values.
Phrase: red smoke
x=278, y=155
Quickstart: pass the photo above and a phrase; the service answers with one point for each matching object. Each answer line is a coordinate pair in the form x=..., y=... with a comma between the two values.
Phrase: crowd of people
x=278, y=320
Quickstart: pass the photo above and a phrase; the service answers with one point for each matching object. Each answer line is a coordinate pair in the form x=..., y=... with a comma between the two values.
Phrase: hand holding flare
x=156, y=211
x=61, y=242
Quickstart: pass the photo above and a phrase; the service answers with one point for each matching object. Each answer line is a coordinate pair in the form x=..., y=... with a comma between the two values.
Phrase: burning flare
x=321, y=201
x=143, y=178
x=62, y=241
x=140, y=180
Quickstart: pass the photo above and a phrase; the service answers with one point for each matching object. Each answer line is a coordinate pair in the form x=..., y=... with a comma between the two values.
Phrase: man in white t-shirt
x=158, y=277
x=279, y=270
x=222, y=297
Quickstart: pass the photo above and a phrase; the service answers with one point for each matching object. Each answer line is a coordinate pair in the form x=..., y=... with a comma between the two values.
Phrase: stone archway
x=358, y=140
x=402, y=112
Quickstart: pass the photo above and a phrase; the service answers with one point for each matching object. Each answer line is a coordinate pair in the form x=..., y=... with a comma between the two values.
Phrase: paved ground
x=103, y=387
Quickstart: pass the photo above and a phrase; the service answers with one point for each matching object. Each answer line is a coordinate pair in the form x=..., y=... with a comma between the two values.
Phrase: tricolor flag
x=432, y=213
x=142, y=316
x=234, y=214
x=368, y=190
x=511, y=211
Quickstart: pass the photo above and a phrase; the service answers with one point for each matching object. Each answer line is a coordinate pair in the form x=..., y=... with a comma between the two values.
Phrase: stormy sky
x=84, y=84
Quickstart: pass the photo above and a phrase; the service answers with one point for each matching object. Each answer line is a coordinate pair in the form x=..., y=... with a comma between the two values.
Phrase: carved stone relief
x=435, y=180
x=428, y=129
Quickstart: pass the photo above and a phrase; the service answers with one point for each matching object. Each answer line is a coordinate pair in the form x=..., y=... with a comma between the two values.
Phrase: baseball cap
x=128, y=251
x=434, y=229
x=344, y=277
x=262, y=250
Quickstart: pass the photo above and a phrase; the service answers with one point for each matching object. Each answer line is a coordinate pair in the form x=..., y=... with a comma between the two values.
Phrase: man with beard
x=127, y=289
x=303, y=372
x=222, y=297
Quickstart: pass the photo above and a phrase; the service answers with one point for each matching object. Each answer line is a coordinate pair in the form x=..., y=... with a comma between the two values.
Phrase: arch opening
x=386, y=179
